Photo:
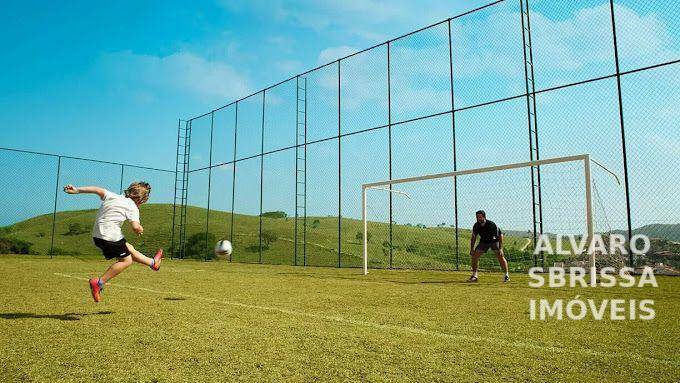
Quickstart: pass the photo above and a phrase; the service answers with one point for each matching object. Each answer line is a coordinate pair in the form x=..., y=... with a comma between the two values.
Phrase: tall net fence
x=279, y=172
x=37, y=217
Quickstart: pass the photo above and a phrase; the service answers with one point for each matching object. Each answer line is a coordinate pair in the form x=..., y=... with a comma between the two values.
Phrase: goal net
x=431, y=216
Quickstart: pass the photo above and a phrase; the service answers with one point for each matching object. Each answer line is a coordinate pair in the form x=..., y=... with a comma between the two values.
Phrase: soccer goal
x=430, y=216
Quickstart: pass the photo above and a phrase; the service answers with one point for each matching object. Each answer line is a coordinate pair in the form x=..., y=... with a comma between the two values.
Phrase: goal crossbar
x=584, y=158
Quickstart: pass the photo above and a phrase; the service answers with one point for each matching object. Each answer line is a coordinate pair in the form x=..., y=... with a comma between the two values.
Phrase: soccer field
x=216, y=321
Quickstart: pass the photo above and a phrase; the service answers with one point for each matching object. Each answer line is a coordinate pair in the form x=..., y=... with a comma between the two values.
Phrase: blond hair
x=138, y=192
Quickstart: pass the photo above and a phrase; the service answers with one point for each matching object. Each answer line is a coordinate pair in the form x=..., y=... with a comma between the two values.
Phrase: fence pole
x=233, y=180
x=339, y=177
x=389, y=143
x=455, y=162
x=207, y=213
x=122, y=171
x=54, y=212
x=264, y=95
x=623, y=134
x=297, y=170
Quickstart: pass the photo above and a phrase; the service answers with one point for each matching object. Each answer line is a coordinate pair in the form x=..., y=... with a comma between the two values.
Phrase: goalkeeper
x=491, y=237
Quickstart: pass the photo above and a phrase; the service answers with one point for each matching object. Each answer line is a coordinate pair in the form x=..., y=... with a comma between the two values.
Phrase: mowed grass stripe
x=390, y=327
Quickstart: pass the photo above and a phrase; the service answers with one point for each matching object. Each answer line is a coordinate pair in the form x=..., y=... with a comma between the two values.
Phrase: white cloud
x=489, y=45
x=364, y=76
x=368, y=19
x=489, y=41
x=289, y=66
x=585, y=41
x=643, y=37
x=578, y=46
x=284, y=43
x=572, y=43
x=181, y=71
x=333, y=53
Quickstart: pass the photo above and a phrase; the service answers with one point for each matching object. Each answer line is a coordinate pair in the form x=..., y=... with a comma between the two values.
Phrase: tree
x=196, y=246
x=360, y=236
x=268, y=237
x=10, y=245
x=275, y=214
x=76, y=228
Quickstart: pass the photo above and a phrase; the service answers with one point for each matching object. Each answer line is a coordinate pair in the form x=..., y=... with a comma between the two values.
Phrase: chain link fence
x=596, y=77
x=37, y=217
x=279, y=172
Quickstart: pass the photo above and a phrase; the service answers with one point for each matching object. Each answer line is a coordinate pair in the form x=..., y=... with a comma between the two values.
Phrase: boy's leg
x=116, y=268
x=154, y=263
x=137, y=256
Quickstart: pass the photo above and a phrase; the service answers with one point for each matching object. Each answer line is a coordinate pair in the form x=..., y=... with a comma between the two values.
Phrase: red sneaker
x=94, y=287
x=157, y=260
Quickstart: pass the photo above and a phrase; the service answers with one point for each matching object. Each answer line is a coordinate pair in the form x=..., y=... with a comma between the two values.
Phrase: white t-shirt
x=115, y=210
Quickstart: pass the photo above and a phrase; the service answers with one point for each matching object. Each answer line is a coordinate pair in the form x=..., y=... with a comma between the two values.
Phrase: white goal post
x=585, y=159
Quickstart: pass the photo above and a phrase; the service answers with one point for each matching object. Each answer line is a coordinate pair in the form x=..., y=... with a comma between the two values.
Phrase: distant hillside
x=670, y=232
x=412, y=246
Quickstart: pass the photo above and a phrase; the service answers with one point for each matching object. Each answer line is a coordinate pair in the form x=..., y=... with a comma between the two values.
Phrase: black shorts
x=483, y=247
x=112, y=250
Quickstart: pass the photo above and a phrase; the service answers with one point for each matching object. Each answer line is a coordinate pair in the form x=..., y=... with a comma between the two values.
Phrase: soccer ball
x=223, y=248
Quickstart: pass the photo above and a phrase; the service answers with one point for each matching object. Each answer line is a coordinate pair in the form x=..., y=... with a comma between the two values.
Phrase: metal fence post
x=623, y=134
x=122, y=172
x=389, y=145
x=339, y=176
x=455, y=162
x=264, y=95
x=297, y=170
x=233, y=179
x=54, y=211
x=207, y=213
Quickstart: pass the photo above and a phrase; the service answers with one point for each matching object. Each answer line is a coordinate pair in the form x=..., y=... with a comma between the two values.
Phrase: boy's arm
x=137, y=227
x=70, y=189
x=132, y=215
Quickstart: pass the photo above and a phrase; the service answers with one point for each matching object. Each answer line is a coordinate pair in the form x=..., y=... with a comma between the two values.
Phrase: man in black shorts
x=490, y=237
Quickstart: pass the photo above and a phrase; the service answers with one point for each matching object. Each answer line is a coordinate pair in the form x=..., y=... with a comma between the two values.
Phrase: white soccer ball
x=223, y=248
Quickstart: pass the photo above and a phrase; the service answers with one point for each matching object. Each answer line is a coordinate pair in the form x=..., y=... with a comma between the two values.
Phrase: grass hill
x=412, y=247
x=669, y=232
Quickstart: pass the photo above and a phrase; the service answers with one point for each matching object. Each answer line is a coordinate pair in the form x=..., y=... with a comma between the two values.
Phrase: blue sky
x=110, y=81
x=75, y=70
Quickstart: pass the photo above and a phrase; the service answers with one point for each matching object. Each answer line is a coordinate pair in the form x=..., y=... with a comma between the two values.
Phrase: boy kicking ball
x=107, y=235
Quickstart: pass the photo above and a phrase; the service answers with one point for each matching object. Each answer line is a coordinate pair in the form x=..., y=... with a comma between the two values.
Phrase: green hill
x=412, y=247
x=670, y=232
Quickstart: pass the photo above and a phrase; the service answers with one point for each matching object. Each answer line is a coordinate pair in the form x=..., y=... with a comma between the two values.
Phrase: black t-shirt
x=489, y=233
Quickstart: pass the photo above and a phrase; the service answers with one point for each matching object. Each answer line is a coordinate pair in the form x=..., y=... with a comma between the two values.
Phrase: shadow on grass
x=361, y=278
x=323, y=276
x=452, y=282
x=64, y=317
x=174, y=299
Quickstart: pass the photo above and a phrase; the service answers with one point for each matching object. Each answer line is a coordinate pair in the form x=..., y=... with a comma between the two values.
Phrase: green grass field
x=413, y=247
x=198, y=321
